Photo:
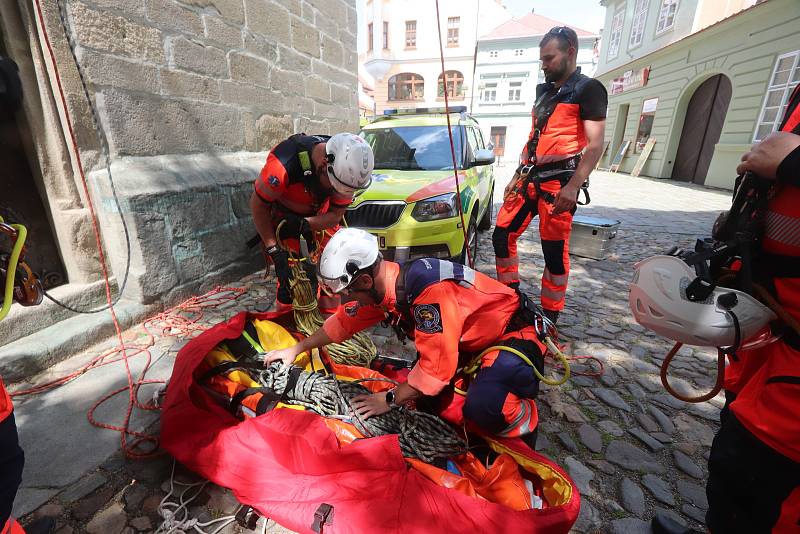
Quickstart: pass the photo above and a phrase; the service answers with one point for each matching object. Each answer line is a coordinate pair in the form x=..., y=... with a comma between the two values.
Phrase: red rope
x=171, y=322
x=470, y=259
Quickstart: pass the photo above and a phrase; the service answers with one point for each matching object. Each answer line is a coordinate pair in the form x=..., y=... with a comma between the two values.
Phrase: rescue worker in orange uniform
x=12, y=459
x=754, y=467
x=565, y=144
x=452, y=313
x=307, y=183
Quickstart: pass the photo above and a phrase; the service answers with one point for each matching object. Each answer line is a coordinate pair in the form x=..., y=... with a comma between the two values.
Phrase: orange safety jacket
x=5, y=402
x=557, y=131
x=453, y=311
x=767, y=403
x=288, y=179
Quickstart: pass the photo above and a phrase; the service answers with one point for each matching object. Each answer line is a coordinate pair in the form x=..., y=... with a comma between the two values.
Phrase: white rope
x=176, y=514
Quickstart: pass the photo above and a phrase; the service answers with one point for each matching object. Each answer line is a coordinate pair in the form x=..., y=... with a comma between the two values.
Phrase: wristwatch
x=390, y=397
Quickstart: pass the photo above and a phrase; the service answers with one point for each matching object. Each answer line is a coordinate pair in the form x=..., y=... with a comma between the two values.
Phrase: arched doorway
x=705, y=116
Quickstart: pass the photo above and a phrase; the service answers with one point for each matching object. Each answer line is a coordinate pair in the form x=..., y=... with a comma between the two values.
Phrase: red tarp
x=286, y=463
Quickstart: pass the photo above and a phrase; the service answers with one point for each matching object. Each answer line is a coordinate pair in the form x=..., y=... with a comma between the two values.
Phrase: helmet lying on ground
x=658, y=300
x=350, y=162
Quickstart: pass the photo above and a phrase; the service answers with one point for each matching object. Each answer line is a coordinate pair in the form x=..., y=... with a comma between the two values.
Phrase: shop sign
x=632, y=79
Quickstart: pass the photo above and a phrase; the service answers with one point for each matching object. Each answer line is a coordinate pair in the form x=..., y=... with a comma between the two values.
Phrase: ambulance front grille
x=374, y=214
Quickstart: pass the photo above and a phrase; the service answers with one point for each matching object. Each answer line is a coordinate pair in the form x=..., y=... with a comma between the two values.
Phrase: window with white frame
x=490, y=92
x=666, y=15
x=514, y=91
x=452, y=30
x=785, y=77
x=411, y=34
x=639, y=21
x=492, y=53
x=518, y=52
x=616, y=34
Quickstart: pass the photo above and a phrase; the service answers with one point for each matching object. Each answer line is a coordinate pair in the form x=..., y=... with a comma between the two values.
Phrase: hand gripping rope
x=358, y=350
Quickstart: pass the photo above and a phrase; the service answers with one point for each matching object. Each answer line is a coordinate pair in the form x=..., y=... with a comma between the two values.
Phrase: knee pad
x=554, y=256
x=500, y=242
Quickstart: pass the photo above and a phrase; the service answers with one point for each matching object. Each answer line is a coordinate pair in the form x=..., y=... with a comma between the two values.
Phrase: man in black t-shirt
x=565, y=144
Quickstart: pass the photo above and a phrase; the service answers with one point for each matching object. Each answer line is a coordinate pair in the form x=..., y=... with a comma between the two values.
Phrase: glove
x=280, y=259
x=295, y=226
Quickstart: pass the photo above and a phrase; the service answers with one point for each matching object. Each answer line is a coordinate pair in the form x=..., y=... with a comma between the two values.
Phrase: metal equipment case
x=592, y=237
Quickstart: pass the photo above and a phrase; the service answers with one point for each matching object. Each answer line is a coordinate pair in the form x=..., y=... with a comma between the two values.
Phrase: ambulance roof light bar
x=419, y=111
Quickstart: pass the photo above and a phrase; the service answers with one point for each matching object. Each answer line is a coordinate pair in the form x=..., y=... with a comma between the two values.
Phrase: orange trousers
x=514, y=217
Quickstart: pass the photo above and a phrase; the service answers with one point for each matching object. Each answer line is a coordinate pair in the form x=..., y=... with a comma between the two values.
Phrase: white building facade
x=401, y=49
x=506, y=74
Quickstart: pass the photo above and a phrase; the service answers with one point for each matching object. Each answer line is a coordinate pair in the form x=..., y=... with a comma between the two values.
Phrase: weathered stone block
x=195, y=213
x=287, y=82
x=240, y=200
x=333, y=75
x=115, y=34
x=342, y=95
x=249, y=69
x=260, y=46
x=221, y=32
x=197, y=57
x=269, y=19
x=332, y=9
x=103, y=69
x=152, y=266
x=139, y=125
x=252, y=97
x=271, y=130
x=187, y=85
x=134, y=7
x=232, y=10
x=290, y=60
x=333, y=111
x=305, y=37
x=332, y=52
x=294, y=6
x=298, y=104
x=318, y=89
x=168, y=15
x=312, y=127
x=325, y=24
x=189, y=260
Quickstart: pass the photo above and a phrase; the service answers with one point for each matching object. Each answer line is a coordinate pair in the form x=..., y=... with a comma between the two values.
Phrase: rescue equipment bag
x=310, y=473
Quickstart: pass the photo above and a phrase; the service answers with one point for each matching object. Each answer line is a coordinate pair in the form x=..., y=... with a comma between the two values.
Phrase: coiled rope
x=358, y=350
x=422, y=435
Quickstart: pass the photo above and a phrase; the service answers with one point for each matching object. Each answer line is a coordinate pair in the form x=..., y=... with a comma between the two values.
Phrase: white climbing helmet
x=350, y=162
x=349, y=251
x=658, y=301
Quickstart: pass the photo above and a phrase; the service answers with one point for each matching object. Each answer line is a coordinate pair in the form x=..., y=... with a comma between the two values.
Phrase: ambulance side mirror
x=483, y=157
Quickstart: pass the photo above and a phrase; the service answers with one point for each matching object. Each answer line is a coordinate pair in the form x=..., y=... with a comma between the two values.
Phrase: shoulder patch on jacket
x=428, y=318
x=351, y=309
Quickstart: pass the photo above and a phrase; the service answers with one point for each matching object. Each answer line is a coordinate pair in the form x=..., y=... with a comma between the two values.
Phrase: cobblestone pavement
x=630, y=447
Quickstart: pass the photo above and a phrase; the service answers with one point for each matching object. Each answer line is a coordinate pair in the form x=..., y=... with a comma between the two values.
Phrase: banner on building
x=631, y=79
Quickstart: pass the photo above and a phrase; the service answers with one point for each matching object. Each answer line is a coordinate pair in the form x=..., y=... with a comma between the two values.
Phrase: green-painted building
x=704, y=82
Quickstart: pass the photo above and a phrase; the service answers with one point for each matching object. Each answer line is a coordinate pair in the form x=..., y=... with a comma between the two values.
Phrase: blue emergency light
x=418, y=111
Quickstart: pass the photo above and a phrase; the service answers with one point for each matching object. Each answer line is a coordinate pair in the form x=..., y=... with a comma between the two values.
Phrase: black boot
x=552, y=315
x=663, y=524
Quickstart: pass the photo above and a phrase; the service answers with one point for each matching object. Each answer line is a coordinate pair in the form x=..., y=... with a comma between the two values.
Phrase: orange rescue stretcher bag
x=311, y=473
